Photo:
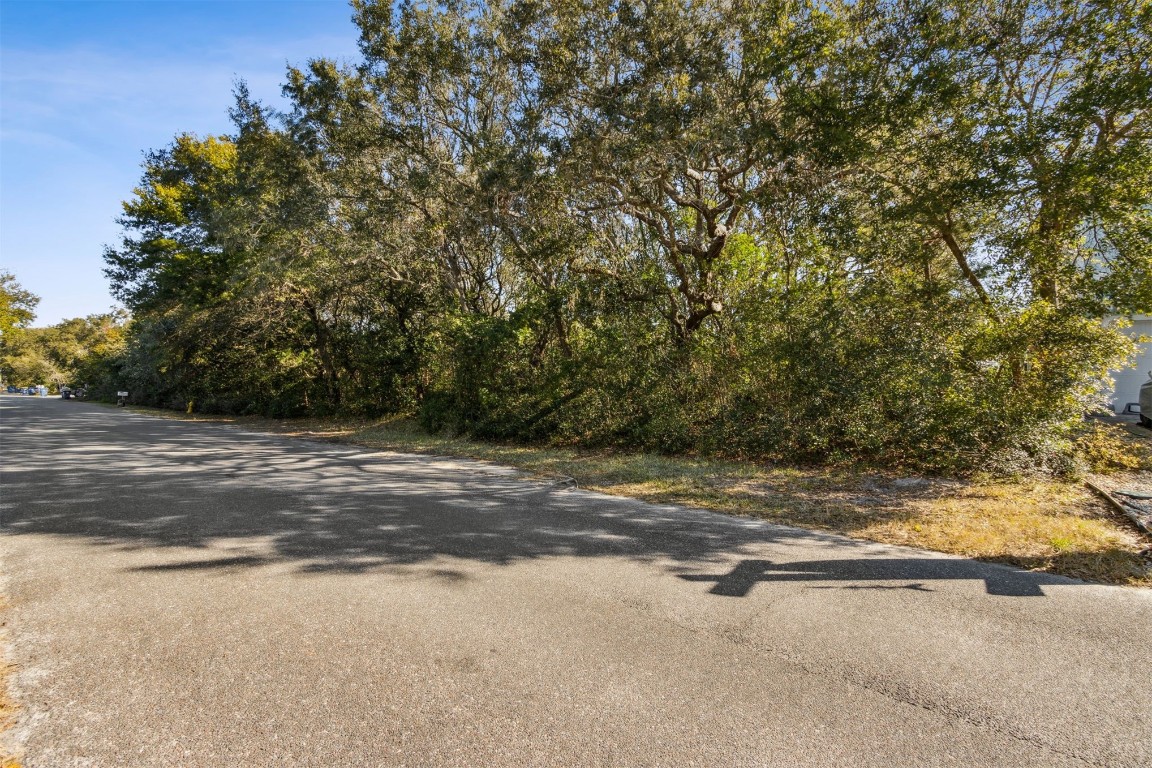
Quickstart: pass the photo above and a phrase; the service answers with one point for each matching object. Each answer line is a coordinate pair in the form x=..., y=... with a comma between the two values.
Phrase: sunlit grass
x=1054, y=527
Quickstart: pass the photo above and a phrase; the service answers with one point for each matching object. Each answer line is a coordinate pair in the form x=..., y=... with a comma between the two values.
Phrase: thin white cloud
x=38, y=140
x=74, y=123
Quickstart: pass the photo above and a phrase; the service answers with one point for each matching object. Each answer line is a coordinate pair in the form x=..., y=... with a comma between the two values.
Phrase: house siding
x=1127, y=381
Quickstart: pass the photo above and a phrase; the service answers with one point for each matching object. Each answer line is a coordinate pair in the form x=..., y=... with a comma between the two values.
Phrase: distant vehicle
x=1146, y=404
x=11, y=389
x=32, y=391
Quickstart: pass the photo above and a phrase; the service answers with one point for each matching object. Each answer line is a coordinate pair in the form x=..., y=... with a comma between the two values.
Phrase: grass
x=1045, y=525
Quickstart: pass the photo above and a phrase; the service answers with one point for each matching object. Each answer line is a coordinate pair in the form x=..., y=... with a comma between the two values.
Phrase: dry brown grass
x=8, y=709
x=1047, y=526
x=1053, y=526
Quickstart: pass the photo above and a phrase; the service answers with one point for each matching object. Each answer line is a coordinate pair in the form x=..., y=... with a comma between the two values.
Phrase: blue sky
x=87, y=87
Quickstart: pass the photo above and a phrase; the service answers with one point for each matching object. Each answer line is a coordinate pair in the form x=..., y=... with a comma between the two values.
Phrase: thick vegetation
x=80, y=352
x=17, y=306
x=875, y=230
x=75, y=353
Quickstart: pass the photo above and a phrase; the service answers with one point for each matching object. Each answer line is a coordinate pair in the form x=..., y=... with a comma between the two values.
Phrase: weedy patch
x=1047, y=526
x=1105, y=448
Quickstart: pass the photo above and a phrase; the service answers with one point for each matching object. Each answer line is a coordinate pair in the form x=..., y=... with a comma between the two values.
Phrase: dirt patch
x=8, y=710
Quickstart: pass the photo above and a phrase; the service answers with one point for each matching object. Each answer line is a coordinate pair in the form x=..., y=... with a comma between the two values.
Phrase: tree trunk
x=324, y=351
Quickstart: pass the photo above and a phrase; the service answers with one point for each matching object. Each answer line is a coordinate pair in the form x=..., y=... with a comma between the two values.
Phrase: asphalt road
x=196, y=595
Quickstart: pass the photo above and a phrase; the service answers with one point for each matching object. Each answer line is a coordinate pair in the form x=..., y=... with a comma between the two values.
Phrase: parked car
x=31, y=391
x=11, y=389
x=1146, y=404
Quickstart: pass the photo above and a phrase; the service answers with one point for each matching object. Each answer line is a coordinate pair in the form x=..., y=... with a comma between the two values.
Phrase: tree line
x=881, y=230
x=77, y=352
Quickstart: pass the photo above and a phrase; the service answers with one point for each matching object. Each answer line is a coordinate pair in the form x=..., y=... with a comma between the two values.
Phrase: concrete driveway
x=194, y=595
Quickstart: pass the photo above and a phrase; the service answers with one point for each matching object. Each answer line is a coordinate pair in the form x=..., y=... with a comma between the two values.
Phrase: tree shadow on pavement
x=134, y=482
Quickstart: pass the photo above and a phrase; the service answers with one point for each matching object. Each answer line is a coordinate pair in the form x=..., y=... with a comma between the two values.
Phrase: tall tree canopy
x=882, y=229
x=17, y=305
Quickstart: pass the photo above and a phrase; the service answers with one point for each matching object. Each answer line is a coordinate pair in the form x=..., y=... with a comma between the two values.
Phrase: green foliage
x=798, y=231
x=176, y=256
x=17, y=306
x=72, y=353
x=1109, y=448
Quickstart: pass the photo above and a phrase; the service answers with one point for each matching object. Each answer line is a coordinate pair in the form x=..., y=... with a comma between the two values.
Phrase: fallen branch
x=1139, y=521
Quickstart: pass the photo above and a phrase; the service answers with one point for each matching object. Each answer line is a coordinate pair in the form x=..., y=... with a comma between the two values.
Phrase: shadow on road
x=739, y=581
x=130, y=481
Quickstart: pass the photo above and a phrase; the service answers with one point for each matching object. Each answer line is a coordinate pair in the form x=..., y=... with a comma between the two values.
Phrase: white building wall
x=1128, y=381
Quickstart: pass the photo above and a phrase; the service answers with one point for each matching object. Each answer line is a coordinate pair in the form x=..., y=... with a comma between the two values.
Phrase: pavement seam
x=988, y=723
